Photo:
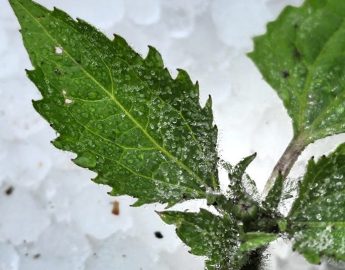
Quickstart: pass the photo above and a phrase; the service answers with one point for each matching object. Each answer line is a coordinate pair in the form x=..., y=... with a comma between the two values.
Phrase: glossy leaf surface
x=142, y=131
x=219, y=238
x=208, y=235
x=302, y=57
x=254, y=240
x=317, y=218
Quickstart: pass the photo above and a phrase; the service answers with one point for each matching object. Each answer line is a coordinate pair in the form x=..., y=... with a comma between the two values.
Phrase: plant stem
x=286, y=161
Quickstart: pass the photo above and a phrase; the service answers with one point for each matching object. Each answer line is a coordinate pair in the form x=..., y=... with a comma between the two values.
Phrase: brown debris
x=116, y=208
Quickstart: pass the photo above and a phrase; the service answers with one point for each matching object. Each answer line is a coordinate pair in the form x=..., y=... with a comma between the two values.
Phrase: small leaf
x=219, y=238
x=239, y=170
x=209, y=235
x=282, y=224
x=317, y=217
x=144, y=133
x=255, y=240
x=302, y=57
x=241, y=185
x=274, y=196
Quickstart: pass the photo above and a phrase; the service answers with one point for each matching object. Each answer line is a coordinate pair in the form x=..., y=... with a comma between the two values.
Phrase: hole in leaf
x=68, y=101
x=58, y=50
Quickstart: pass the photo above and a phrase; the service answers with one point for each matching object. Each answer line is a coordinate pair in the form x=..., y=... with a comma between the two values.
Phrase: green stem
x=286, y=161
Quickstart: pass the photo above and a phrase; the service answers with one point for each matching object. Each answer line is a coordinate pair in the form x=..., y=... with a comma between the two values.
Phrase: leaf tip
x=153, y=56
x=183, y=75
x=119, y=40
x=208, y=103
x=85, y=160
x=138, y=202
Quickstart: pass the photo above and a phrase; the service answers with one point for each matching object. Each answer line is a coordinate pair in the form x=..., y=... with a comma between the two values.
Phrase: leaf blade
x=254, y=240
x=208, y=235
x=317, y=217
x=100, y=96
x=301, y=57
x=220, y=238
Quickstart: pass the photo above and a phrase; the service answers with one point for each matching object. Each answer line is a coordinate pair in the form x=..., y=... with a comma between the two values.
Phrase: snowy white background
x=55, y=217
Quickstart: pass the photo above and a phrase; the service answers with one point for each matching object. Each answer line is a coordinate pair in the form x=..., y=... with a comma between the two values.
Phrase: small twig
x=286, y=161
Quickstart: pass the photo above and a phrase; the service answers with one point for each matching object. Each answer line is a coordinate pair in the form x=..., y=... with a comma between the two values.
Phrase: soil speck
x=9, y=190
x=158, y=235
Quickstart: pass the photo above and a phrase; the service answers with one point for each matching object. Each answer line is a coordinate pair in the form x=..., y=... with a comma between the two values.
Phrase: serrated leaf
x=144, y=133
x=239, y=170
x=317, y=217
x=254, y=240
x=216, y=237
x=219, y=238
x=241, y=184
x=302, y=57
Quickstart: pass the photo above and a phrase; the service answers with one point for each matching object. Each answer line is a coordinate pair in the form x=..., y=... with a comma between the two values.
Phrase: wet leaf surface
x=302, y=57
x=220, y=238
x=317, y=217
x=143, y=132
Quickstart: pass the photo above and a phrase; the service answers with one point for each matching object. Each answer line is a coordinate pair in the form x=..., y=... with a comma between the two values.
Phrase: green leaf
x=219, y=238
x=317, y=217
x=255, y=240
x=302, y=57
x=215, y=237
x=241, y=185
x=144, y=133
x=243, y=195
x=274, y=196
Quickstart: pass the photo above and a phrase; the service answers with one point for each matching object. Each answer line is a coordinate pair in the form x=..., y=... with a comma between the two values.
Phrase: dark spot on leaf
x=285, y=74
x=57, y=71
x=244, y=206
x=158, y=235
x=296, y=54
x=9, y=190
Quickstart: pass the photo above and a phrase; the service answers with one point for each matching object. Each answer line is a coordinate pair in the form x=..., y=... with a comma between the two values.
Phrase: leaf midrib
x=311, y=70
x=159, y=147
